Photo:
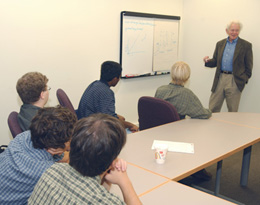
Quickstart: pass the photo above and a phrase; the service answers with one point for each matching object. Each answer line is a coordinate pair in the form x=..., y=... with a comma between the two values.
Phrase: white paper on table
x=176, y=146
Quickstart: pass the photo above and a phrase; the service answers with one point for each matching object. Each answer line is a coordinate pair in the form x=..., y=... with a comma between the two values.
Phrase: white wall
x=67, y=40
x=204, y=24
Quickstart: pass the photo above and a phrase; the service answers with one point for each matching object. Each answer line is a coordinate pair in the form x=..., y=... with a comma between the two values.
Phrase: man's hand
x=205, y=59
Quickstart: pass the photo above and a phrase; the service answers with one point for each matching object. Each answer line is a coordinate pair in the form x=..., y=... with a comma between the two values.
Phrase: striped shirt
x=21, y=166
x=184, y=100
x=97, y=98
x=62, y=184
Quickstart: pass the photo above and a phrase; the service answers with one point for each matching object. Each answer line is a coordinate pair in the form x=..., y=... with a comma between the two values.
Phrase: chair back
x=64, y=100
x=154, y=112
x=13, y=124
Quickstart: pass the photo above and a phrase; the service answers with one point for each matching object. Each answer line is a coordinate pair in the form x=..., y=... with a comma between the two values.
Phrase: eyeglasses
x=48, y=88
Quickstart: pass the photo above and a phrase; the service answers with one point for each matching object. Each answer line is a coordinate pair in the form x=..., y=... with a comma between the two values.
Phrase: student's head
x=180, y=73
x=52, y=127
x=96, y=142
x=110, y=70
x=31, y=86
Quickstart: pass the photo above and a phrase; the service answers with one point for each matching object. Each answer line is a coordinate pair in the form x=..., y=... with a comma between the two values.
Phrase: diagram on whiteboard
x=165, y=44
x=137, y=45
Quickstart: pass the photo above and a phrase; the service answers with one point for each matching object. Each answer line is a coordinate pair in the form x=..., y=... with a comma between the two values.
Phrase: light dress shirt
x=228, y=54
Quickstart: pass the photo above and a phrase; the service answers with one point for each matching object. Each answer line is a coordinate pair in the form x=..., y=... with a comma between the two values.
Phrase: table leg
x=245, y=166
x=218, y=175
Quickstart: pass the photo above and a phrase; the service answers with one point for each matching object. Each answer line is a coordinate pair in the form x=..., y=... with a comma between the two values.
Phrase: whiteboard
x=149, y=43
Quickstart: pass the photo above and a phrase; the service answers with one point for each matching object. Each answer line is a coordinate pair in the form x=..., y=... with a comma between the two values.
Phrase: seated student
x=99, y=98
x=34, y=93
x=32, y=152
x=96, y=143
x=183, y=99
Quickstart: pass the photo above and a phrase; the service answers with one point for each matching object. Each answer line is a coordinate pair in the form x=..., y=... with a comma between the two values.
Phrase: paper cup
x=160, y=153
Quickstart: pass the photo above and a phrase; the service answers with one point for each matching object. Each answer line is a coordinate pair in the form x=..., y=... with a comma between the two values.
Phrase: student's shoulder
x=21, y=139
x=163, y=87
x=58, y=166
x=58, y=169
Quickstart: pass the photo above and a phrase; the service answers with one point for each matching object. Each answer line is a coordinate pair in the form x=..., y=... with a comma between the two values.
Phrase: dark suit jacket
x=242, y=62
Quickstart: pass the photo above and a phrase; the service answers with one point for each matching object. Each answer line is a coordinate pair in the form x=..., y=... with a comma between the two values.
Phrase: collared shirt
x=184, y=100
x=62, y=184
x=97, y=98
x=21, y=166
x=26, y=114
x=228, y=54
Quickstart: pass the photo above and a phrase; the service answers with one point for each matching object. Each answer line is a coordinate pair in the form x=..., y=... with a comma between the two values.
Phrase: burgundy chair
x=154, y=112
x=64, y=100
x=13, y=124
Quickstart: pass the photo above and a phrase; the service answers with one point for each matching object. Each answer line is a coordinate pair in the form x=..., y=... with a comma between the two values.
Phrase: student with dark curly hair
x=34, y=93
x=32, y=152
x=95, y=146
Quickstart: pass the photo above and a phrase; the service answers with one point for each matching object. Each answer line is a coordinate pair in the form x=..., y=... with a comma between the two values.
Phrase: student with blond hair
x=183, y=99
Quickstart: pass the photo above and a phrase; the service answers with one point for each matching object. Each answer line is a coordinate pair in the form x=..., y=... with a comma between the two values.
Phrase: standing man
x=99, y=98
x=233, y=58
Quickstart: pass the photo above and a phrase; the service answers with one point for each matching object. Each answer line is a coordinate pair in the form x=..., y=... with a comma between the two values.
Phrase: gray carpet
x=230, y=178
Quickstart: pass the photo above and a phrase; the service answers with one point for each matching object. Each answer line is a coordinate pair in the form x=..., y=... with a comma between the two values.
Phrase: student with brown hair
x=32, y=152
x=34, y=93
x=96, y=143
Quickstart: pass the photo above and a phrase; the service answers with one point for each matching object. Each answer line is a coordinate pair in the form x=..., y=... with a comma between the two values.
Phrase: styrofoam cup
x=160, y=153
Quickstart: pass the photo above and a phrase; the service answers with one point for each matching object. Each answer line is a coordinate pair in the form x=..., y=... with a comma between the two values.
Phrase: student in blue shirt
x=96, y=143
x=99, y=98
x=32, y=152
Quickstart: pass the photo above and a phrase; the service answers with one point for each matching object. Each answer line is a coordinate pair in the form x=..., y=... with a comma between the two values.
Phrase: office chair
x=64, y=100
x=154, y=112
x=13, y=124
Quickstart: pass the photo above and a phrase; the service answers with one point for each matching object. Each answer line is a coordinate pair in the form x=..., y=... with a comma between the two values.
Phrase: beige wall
x=67, y=40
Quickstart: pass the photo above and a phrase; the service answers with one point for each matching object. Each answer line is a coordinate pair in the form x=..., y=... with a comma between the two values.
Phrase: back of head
x=110, y=70
x=30, y=86
x=97, y=140
x=52, y=127
x=180, y=73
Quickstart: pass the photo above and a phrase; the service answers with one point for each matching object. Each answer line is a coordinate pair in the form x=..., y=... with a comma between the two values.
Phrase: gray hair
x=235, y=22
